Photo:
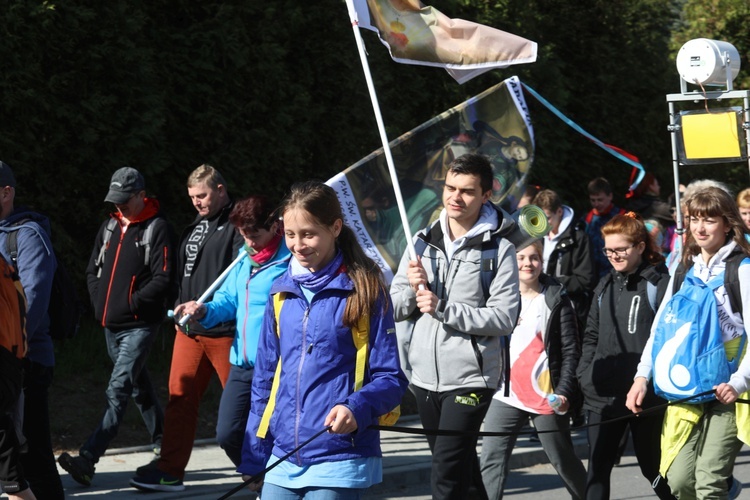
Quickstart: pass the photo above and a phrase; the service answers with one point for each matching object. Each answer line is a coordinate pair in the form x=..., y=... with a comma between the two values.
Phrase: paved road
x=406, y=469
x=541, y=482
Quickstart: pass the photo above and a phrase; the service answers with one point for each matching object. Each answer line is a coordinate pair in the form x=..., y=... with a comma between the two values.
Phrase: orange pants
x=194, y=361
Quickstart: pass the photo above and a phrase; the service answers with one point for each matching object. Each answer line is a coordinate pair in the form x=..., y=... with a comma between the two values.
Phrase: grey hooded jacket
x=459, y=347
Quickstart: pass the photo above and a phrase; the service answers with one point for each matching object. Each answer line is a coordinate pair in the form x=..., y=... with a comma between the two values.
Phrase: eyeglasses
x=617, y=252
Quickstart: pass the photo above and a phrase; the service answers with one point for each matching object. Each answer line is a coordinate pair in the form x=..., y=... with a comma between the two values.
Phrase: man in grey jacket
x=455, y=346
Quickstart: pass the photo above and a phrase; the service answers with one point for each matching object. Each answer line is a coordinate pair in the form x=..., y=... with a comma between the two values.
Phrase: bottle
x=555, y=402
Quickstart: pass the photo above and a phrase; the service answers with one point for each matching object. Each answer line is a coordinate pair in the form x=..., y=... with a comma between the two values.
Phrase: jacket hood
x=23, y=213
x=150, y=209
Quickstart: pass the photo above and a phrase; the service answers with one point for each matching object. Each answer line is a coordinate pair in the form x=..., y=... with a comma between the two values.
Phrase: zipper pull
x=310, y=348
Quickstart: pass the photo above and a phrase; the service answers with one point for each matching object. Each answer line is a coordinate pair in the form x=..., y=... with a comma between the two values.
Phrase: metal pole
x=211, y=289
x=674, y=129
x=381, y=129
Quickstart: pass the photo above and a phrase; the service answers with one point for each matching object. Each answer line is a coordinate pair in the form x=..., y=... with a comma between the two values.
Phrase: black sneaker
x=80, y=468
x=149, y=468
x=157, y=481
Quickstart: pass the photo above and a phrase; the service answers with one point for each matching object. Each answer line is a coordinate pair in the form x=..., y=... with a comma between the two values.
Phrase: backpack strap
x=679, y=277
x=732, y=280
x=146, y=241
x=278, y=302
x=361, y=337
x=651, y=295
x=488, y=266
x=11, y=242
x=603, y=284
x=11, y=245
x=108, y=230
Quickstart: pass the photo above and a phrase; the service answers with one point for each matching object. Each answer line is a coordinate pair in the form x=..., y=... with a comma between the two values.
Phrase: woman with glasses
x=619, y=323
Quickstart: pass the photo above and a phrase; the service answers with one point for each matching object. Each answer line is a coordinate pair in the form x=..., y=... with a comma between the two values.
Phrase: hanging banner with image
x=494, y=123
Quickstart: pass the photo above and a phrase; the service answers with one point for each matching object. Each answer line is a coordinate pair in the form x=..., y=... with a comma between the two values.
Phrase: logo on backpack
x=688, y=352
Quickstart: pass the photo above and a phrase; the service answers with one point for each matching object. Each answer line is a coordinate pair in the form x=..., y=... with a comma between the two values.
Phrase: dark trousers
x=233, y=411
x=39, y=461
x=11, y=380
x=455, y=465
x=128, y=350
x=604, y=442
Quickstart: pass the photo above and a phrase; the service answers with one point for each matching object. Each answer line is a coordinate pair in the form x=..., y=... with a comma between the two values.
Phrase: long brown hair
x=632, y=227
x=714, y=202
x=322, y=206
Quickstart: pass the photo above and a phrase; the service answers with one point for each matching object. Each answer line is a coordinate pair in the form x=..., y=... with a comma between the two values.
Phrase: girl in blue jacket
x=329, y=286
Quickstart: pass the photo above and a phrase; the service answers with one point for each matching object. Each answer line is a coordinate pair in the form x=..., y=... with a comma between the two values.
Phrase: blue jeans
x=273, y=492
x=233, y=410
x=128, y=350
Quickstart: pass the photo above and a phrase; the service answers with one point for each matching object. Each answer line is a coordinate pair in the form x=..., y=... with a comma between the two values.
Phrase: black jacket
x=572, y=264
x=130, y=293
x=561, y=341
x=618, y=328
x=218, y=250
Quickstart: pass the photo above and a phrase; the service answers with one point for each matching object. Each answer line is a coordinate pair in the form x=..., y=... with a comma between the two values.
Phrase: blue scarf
x=318, y=280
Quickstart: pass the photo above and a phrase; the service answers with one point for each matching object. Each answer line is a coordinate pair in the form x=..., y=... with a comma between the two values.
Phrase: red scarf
x=263, y=255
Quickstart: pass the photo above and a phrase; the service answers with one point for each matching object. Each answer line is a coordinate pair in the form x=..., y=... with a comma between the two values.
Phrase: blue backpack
x=688, y=353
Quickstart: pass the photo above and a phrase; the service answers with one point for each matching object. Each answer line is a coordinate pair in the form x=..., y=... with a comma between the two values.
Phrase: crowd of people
x=309, y=342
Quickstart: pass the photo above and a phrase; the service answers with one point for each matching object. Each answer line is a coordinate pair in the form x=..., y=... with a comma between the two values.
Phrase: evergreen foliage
x=273, y=92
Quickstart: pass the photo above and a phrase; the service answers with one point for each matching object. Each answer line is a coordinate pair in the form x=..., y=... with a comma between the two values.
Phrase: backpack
x=65, y=308
x=145, y=242
x=361, y=338
x=12, y=299
x=688, y=353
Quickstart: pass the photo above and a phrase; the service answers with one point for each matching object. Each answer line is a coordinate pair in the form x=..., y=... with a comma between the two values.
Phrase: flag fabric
x=418, y=34
x=494, y=123
x=618, y=153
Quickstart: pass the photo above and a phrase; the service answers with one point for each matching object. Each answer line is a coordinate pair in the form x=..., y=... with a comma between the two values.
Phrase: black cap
x=125, y=182
x=6, y=176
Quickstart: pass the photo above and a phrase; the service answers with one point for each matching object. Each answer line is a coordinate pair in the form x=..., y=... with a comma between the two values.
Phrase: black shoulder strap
x=605, y=281
x=732, y=281
x=11, y=242
x=488, y=267
x=679, y=277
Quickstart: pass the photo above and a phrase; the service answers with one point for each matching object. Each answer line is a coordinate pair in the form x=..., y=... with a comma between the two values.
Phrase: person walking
x=306, y=366
x=456, y=341
x=130, y=280
x=544, y=353
x=207, y=246
x=700, y=441
x=619, y=323
x=35, y=262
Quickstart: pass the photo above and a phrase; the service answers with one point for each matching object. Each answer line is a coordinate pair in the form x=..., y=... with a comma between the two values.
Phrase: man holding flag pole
x=417, y=34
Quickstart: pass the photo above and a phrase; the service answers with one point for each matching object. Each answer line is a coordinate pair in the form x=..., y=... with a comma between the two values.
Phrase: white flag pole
x=216, y=284
x=381, y=128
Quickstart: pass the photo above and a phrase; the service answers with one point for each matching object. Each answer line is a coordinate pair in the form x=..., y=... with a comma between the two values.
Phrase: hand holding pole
x=216, y=284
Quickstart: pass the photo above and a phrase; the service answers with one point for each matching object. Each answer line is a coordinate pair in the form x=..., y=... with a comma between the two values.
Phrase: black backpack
x=65, y=308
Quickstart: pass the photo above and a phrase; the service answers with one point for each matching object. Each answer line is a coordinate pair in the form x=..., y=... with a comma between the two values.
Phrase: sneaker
x=149, y=468
x=735, y=488
x=157, y=481
x=80, y=468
